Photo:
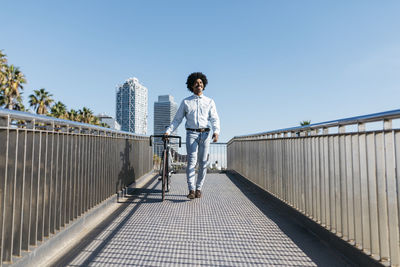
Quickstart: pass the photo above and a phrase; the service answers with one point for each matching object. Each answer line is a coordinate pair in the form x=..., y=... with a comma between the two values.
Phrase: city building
x=164, y=112
x=110, y=121
x=131, y=106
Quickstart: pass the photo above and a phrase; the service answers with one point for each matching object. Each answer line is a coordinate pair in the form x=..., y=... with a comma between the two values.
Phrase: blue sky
x=270, y=64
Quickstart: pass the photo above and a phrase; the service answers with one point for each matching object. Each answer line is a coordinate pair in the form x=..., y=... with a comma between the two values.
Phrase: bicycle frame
x=165, y=161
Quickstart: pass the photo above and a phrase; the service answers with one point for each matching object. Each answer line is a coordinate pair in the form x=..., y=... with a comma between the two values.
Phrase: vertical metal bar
x=27, y=203
x=91, y=173
x=96, y=169
x=349, y=180
x=391, y=192
x=373, y=195
x=366, y=233
x=102, y=167
x=332, y=184
x=35, y=188
x=80, y=174
x=87, y=173
x=382, y=199
x=397, y=167
x=60, y=179
x=314, y=189
x=108, y=166
x=297, y=175
x=99, y=167
x=74, y=176
x=309, y=174
x=3, y=174
x=338, y=186
x=302, y=185
x=71, y=169
x=42, y=182
x=54, y=182
x=327, y=183
x=318, y=178
x=65, y=177
x=8, y=212
x=77, y=174
x=48, y=183
x=19, y=191
x=357, y=192
x=343, y=187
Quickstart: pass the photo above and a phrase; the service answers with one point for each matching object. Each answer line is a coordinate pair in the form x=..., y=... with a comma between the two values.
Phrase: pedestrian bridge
x=326, y=194
x=232, y=224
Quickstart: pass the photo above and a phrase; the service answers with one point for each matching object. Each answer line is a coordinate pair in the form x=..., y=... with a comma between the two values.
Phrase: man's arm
x=177, y=119
x=214, y=119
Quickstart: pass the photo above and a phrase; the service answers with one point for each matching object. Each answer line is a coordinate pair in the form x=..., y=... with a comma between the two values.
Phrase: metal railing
x=217, y=155
x=52, y=171
x=348, y=182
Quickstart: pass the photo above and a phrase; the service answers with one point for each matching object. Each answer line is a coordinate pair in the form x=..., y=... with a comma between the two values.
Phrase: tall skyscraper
x=164, y=112
x=131, y=110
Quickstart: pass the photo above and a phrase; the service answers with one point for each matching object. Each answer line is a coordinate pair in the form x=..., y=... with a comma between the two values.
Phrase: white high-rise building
x=164, y=112
x=131, y=110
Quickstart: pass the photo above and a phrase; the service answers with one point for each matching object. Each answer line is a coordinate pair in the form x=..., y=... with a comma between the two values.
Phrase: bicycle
x=165, y=163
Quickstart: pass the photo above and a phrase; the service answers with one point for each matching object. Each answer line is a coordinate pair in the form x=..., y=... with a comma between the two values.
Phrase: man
x=199, y=111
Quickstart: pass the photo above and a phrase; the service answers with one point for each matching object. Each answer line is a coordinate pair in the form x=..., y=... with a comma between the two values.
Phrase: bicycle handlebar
x=164, y=140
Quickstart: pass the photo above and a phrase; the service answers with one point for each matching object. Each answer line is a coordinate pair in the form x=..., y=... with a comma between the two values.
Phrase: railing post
x=387, y=124
x=361, y=127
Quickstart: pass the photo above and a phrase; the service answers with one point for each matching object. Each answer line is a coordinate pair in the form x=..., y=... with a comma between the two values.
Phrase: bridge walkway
x=233, y=224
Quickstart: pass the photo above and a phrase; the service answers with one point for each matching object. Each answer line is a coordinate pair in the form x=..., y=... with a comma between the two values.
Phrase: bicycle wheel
x=164, y=174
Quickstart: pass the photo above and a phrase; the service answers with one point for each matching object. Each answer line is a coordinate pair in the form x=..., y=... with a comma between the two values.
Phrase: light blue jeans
x=197, y=147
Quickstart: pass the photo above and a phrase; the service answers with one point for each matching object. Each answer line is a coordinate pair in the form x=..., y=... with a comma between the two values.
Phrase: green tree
x=12, y=80
x=85, y=115
x=305, y=123
x=105, y=125
x=40, y=101
x=73, y=115
x=3, y=67
x=95, y=120
x=59, y=110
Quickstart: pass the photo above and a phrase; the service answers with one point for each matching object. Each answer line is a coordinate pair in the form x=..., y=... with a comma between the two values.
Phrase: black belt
x=199, y=130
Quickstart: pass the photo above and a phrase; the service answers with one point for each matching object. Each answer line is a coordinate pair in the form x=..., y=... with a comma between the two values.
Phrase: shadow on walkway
x=310, y=244
x=142, y=197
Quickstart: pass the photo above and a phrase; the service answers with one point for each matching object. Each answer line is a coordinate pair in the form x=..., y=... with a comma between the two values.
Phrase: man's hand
x=165, y=136
x=215, y=137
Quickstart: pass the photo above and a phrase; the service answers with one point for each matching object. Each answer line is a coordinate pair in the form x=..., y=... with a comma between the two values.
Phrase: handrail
x=386, y=115
x=21, y=115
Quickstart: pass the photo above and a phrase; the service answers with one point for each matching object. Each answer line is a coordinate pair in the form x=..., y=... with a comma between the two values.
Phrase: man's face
x=198, y=87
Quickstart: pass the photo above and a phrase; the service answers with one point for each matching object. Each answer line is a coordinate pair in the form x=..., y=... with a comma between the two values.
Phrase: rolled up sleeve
x=214, y=118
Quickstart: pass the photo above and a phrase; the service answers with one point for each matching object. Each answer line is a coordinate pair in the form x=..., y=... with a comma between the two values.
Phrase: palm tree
x=105, y=125
x=95, y=120
x=86, y=115
x=40, y=101
x=73, y=115
x=3, y=66
x=305, y=123
x=59, y=110
x=11, y=85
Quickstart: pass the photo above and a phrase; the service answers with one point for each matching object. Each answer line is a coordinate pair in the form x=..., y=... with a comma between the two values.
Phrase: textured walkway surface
x=231, y=225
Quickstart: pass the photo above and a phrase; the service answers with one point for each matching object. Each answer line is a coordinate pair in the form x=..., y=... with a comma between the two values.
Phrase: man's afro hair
x=192, y=78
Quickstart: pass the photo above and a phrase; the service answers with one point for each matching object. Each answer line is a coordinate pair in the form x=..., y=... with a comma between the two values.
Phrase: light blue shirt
x=199, y=111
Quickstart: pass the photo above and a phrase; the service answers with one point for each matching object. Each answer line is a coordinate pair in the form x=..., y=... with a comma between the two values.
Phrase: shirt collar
x=196, y=96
